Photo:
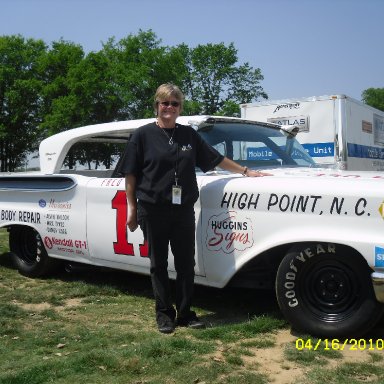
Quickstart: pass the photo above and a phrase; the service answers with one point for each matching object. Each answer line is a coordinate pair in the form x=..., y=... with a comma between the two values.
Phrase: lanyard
x=176, y=163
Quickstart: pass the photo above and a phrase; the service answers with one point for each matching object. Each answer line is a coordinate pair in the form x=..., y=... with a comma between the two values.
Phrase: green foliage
x=20, y=98
x=216, y=82
x=48, y=89
x=59, y=106
x=374, y=97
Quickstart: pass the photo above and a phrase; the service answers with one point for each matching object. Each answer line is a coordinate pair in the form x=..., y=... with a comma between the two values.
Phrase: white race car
x=313, y=234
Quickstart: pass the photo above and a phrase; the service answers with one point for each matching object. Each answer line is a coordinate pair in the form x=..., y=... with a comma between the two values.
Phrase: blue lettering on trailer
x=365, y=151
x=313, y=149
x=320, y=149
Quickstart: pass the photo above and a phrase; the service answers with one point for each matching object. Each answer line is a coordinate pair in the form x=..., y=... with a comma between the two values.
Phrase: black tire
x=28, y=252
x=325, y=290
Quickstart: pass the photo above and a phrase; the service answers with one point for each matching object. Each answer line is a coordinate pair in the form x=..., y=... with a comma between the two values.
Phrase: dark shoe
x=193, y=323
x=166, y=326
x=166, y=320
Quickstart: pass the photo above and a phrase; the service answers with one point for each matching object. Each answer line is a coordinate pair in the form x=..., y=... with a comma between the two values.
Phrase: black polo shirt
x=153, y=160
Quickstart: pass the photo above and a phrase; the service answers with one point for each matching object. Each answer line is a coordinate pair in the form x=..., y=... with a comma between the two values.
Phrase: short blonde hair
x=165, y=91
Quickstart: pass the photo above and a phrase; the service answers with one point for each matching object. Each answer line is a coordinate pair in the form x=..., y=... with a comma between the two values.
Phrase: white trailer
x=336, y=130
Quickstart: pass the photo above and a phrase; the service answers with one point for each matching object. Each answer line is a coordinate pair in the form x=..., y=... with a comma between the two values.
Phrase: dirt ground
x=271, y=361
x=282, y=371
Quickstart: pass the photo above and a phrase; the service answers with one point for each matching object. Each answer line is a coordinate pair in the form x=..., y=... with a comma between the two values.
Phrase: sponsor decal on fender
x=50, y=242
x=62, y=205
x=381, y=209
x=379, y=257
x=228, y=233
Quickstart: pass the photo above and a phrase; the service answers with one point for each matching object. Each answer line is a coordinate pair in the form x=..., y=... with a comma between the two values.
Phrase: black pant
x=172, y=225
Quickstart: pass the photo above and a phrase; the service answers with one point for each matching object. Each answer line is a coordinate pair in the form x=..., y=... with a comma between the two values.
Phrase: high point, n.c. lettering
x=240, y=201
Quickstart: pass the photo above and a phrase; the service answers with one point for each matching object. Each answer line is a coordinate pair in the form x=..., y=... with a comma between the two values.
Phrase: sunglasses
x=168, y=103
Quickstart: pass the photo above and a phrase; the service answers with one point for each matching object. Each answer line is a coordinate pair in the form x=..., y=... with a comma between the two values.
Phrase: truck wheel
x=325, y=290
x=28, y=252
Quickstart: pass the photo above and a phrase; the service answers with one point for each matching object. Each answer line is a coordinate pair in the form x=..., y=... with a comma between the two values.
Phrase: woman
x=161, y=187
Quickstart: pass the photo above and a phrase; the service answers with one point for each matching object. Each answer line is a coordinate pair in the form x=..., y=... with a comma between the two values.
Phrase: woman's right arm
x=130, y=190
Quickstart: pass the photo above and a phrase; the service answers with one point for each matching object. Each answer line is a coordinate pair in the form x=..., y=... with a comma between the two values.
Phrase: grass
x=97, y=326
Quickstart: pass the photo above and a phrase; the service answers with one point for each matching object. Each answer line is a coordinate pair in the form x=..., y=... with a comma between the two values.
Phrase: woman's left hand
x=252, y=173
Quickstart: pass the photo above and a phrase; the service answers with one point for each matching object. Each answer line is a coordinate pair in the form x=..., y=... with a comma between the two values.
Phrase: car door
x=109, y=239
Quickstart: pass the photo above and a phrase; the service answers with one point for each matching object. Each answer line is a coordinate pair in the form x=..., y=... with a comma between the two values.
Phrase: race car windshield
x=256, y=146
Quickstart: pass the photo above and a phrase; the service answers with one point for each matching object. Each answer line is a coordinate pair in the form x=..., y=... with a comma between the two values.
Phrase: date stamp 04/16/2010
x=340, y=345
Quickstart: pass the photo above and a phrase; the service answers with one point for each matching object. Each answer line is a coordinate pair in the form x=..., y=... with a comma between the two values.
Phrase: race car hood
x=324, y=173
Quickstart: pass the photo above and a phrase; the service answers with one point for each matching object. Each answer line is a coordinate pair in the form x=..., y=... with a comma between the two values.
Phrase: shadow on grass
x=215, y=306
x=219, y=306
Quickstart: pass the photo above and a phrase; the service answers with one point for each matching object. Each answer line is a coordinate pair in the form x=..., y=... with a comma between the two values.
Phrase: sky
x=303, y=48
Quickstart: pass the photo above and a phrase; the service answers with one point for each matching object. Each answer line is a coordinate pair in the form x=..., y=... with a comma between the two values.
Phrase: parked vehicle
x=315, y=235
x=336, y=131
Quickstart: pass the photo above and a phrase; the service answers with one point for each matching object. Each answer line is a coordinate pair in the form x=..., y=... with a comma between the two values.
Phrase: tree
x=213, y=79
x=45, y=90
x=20, y=100
x=89, y=96
x=374, y=97
x=139, y=64
x=55, y=67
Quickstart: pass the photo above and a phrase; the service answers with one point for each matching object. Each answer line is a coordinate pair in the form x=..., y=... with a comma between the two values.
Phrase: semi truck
x=337, y=131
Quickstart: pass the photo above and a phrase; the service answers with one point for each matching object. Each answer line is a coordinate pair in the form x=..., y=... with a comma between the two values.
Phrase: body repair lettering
x=8, y=215
x=29, y=217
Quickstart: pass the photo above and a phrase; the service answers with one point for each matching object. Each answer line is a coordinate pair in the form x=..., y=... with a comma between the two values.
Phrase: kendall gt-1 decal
x=66, y=245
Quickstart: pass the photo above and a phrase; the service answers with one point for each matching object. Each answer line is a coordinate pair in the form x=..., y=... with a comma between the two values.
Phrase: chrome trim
x=378, y=285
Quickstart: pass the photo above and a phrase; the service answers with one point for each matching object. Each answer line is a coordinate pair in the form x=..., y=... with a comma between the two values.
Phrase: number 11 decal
x=122, y=246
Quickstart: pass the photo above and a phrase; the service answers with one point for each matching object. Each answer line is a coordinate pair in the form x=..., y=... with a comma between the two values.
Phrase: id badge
x=176, y=194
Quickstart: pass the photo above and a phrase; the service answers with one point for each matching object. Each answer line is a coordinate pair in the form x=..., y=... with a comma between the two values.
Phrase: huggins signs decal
x=226, y=232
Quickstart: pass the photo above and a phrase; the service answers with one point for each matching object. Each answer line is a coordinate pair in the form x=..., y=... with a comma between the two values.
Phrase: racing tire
x=325, y=290
x=28, y=252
